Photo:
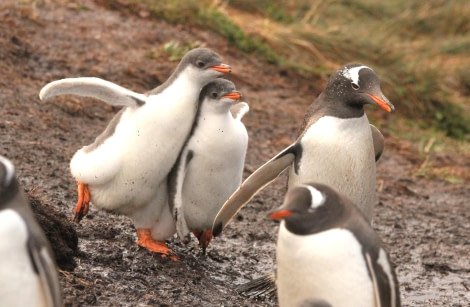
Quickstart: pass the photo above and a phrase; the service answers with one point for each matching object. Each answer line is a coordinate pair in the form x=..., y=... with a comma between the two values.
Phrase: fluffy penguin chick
x=210, y=166
x=125, y=170
x=327, y=251
x=28, y=274
x=337, y=146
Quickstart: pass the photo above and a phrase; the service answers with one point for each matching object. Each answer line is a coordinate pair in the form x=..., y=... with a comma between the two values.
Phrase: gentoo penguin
x=337, y=146
x=125, y=170
x=326, y=250
x=210, y=166
x=28, y=274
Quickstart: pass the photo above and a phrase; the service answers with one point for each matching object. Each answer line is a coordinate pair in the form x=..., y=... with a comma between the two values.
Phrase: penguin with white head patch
x=28, y=274
x=327, y=251
x=125, y=170
x=210, y=166
x=337, y=146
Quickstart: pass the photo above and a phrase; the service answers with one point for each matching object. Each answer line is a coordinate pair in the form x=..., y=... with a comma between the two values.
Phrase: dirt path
x=424, y=223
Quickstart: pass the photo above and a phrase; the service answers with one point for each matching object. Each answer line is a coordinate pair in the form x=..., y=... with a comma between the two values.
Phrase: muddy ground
x=425, y=223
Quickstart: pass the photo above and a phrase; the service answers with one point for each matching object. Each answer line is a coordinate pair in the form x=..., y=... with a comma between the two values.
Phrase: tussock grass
x=420, y=49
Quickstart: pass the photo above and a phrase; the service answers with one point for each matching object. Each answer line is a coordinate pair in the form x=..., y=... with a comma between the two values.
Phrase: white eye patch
x=353, y=73
x=318, y=198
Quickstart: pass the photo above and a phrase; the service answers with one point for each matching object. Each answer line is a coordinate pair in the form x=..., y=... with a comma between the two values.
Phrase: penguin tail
x=262, y=287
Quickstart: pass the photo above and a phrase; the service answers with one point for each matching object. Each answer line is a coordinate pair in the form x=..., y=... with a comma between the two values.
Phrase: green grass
x=420, y=49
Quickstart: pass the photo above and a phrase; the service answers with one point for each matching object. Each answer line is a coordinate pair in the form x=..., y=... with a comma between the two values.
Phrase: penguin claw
x=145, y=240
x=83, y=202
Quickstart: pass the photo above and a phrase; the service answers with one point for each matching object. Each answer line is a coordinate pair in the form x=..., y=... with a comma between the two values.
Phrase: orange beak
x=223, y=68
x=387, y=106
x=277, y=215
x=233, y=95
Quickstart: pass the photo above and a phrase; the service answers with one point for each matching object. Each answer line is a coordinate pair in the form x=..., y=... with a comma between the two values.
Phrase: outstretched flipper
x=239, y=110
x=378, y=140
x=254, y=183
x=106, y=91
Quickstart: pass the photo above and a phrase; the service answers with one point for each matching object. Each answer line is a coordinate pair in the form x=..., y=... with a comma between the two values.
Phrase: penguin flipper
x=375, y=286
x=175, y=193
x=378, y=141
x=239, y=110
x=43, y=263
x=106, y=91
x=254, y=183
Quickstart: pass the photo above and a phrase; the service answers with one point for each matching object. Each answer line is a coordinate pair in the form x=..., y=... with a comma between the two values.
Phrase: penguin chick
x=210, y=166
x=125, y=170
x=327, y=251
x=28, y=274
x=337, y=146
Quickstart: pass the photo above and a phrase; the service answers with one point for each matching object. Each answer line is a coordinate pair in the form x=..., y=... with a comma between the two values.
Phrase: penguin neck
x=180, y=83
x=325, y=105
x=339, y=107
x=213, y=118
x=332, y=217
x=182, y=88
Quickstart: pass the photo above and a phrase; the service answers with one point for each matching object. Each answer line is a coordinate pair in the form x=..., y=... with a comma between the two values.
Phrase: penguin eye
x=200, y=64
x=355, y=86
x=214, y=94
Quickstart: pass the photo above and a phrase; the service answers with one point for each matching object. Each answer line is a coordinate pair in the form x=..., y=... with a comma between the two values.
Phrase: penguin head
x=7, y=179
x=219, y=95
x=356, y=85
x=204, y=64
x=311, y=208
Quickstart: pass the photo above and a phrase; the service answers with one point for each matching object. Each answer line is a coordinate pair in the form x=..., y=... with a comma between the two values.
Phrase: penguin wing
x=239, y=110
x=378, y=140
x=175, y=188
x=254, y=183
x=106, y=91
x=45, y=267
x=384, y=281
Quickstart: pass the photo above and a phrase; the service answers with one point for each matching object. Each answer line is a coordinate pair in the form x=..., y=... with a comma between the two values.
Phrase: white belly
x=339, y=153
x=215, y=171
x=19, y=284
x=125, y=172
x=328, y=265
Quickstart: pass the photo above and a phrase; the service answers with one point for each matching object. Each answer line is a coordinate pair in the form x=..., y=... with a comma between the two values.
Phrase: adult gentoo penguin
x=327, y=250
x=125, y=170
x=337, y=146
x=28, y=274
x=210, y=166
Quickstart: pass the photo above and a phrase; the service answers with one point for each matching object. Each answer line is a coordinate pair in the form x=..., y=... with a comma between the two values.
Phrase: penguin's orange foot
x=83, y=202
x=204, y=238
x=144, y=239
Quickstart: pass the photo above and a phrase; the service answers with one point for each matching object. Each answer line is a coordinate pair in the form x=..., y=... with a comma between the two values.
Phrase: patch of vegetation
x=420, y=49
